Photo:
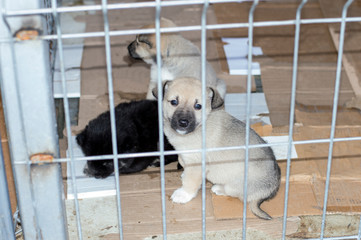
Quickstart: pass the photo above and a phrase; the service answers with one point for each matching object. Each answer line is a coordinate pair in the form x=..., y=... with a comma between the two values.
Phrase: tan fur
x=180, y=58
x=225, y=169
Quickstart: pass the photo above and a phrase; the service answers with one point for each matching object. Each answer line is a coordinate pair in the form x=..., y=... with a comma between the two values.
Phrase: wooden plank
x=6, y=155
x=351, y=58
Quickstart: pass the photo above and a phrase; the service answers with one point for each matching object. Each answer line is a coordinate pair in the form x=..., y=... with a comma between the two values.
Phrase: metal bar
x=335, y=238
x=112, y=114
x=248, y=113
x=292, y=113
x=359, y=230
x=334, y=112
x=114, y=6
x=204, y=142
x=6, y=225
x=24, y=93
x=160, y=114
x=67, y=117
x=196, y=28
x=166, y=153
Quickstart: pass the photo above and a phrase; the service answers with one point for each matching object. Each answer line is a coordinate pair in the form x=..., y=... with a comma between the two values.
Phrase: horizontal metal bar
x=194, y=28
x=114, y=6
x=335, y=238
x=166, y=153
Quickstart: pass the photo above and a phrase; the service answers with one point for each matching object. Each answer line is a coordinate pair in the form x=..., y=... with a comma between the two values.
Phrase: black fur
x=136, y=130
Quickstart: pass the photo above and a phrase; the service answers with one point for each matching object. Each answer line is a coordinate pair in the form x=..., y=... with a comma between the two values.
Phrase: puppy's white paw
x=181, y=196
x=218, y=189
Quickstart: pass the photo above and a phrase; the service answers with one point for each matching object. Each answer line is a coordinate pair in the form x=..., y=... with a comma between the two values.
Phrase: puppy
x=136, y=130
x=180, y=58
x=182, y=113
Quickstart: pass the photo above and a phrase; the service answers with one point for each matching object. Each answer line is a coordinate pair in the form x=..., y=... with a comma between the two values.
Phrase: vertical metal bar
x=160, y=116
x=112, y=113
x=67, y=115
x=248, y=113
x=334, y=111
x=292, y=112
x=204, y=143
x=6, y=225
x=359, y=230
x=31, y=125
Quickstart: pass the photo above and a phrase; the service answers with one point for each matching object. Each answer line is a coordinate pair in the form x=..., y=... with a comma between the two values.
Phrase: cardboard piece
x=351, y=59
x=230, y=208
x=316, y=65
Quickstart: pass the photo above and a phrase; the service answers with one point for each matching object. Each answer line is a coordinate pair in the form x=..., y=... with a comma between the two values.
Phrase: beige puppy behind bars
x=182, y=104
x=180, y=58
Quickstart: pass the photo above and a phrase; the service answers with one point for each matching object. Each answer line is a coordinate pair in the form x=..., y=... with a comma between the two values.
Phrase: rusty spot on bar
x=27, y=34
x=41, y=158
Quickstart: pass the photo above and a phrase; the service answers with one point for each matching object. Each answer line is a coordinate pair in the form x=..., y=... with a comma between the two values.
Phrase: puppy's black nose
x=183, y=123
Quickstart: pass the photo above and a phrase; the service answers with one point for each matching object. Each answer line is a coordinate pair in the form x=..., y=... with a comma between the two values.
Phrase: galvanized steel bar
x=6, y=225
x=248, y=113
x=60, y=52
x=114, y=6
x=112, y=114
x=334, y=112
x=158, y=9
x=335, y=238
x=197, y=28
x=31, y=125
x=359, y=230
x=128, y=155
x=292, y=113
x=204, y=83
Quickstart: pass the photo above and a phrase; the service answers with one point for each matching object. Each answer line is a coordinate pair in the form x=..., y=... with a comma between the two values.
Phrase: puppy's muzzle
x=132, y=48
x=183, y=122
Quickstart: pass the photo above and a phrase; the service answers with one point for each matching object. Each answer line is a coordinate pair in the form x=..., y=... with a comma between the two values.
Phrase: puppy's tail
x=256, y=209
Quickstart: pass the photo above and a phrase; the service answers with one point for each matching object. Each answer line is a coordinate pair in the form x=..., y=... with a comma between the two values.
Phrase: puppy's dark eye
x=174, y=102
x=197, y=106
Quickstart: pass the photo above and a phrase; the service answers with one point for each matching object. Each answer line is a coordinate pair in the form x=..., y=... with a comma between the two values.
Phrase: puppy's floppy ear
x=155, y=90
x=216, y=99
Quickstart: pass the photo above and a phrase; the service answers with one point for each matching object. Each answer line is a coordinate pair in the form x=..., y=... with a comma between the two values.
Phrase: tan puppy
x=180, y=58
x=182, y=113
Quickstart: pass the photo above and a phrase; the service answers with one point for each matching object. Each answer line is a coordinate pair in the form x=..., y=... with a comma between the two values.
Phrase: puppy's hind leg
x=191, y=182
x=256, y=209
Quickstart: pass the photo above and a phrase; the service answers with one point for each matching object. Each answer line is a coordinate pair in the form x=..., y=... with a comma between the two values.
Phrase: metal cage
x=30, y=117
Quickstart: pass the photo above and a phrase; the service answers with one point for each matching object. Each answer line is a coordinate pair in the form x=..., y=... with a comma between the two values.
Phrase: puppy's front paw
x=181, y=196
x=218, y=189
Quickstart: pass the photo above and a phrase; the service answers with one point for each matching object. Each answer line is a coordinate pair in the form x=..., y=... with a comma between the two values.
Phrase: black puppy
x=136, y=130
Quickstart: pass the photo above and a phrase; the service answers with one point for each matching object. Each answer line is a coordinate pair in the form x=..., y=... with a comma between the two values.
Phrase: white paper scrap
x=87, y=187
x=236, y=103
x=280, y=151
x=236, y=51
